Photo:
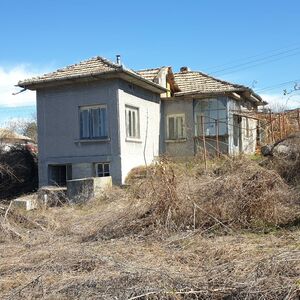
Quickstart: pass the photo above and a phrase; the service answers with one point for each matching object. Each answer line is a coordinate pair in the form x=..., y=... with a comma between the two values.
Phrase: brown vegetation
x=18, y=172
x=178, y=232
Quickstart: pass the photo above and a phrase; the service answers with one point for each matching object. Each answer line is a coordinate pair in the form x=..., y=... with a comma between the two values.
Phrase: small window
x=93, y=122
x=132, y=119
x=175, y=127
x=102, y=169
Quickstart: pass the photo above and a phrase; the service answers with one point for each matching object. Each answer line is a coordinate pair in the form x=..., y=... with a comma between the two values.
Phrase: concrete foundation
x=82, y=190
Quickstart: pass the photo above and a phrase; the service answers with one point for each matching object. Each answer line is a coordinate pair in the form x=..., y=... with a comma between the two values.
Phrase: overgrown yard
x=178, y=232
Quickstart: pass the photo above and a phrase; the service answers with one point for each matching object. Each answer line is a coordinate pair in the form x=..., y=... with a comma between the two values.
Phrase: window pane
x=179, y=133
x=103, y=122
x=171, y=128
x=84, y=124
x=100, y=170
x=95, y=113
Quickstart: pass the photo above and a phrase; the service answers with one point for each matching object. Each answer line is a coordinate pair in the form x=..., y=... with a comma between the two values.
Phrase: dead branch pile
x=284, y=158
x=18, y=172
x=238, y=195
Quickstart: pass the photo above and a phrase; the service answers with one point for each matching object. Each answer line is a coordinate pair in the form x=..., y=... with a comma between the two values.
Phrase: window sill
x=176, y=141
x=105, y=140
x=133, y=140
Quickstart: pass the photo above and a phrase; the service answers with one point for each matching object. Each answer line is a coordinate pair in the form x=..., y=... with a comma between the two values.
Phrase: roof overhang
x=122, y=74
x=238, y=94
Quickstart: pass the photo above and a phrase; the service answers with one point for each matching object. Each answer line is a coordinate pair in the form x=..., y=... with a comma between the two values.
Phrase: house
x=200, y=105
x=95, y=118
x=98, y=118
x=9, y=138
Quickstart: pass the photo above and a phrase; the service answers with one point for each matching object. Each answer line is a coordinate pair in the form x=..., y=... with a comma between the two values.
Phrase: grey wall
x=58, y=128
x=178, y=148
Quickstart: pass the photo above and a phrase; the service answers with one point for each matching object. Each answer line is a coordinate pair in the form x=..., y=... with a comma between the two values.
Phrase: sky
x=255, y=43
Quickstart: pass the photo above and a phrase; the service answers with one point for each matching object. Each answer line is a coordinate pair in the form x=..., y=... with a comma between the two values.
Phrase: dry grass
x=232, y=195
x=157, y=240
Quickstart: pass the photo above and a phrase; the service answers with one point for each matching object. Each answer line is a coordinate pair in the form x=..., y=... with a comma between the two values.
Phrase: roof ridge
x=93, y=58
x=152, y=69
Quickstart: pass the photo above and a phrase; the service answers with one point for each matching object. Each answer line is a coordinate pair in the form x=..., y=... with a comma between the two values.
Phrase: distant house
x=97, y=118
x=9, y=138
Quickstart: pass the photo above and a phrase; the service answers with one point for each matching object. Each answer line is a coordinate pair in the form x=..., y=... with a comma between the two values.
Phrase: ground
x=95, y=251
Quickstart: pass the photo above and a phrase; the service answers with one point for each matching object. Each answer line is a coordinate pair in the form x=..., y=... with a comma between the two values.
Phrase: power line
x=254, y=56
x=257, y=62
x=271, y=87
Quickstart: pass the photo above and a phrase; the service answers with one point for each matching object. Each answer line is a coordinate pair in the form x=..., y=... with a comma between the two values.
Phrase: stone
x=25, y=203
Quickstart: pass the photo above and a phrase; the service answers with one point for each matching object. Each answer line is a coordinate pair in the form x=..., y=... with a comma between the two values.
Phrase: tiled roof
x=93, y=66
x=11, y=135
x=197, y=82
x=149, y=74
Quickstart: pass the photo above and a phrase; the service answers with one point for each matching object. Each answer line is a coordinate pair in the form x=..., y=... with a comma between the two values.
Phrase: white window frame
x=104, y=174
x=132, y=124
x=177, y=135
x=104, y=122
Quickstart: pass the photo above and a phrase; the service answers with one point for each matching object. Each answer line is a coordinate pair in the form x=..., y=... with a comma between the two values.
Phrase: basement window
x=59, y=174
x=102, y=169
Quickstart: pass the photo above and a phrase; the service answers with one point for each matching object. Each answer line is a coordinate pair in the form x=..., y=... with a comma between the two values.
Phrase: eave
x=122, y=74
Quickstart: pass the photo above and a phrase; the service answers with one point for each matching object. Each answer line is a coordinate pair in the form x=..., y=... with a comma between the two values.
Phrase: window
x=236, y=129
x=93, y=122
x=102, y=169
x=59, y=174
x=132, y=119
x=175, y=127
x=213, y=112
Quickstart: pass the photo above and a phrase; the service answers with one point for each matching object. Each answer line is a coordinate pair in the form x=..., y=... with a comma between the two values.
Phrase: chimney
x=184, y=69
x=118, y=57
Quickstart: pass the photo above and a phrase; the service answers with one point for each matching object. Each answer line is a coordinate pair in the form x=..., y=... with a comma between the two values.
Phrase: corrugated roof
x=94, y=65
x=198, y=82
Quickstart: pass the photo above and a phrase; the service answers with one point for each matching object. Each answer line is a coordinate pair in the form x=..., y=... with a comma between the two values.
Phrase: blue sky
x=255, y=43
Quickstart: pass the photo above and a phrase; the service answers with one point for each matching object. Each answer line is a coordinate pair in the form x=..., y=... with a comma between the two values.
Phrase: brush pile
x=18, y=172
x=239, y=194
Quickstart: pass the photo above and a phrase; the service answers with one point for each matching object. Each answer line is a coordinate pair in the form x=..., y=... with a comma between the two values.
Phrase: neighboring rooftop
x=8, y=135
x=149, y=74
x=198, y=82
x=189, y=82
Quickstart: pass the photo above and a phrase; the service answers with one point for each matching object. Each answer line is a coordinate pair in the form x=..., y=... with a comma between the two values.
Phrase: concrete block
x=52, y=195
x=101, y=184
x=26, y=204
x=80, y=190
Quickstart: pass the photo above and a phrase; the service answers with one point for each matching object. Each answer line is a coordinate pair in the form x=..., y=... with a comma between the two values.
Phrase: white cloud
x=280, y=101
x=8, y=79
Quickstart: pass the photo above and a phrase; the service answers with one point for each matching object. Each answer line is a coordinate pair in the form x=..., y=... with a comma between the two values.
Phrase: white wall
x=146, y=149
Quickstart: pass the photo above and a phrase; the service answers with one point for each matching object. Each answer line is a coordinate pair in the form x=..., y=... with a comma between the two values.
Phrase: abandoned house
x=98, y=118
